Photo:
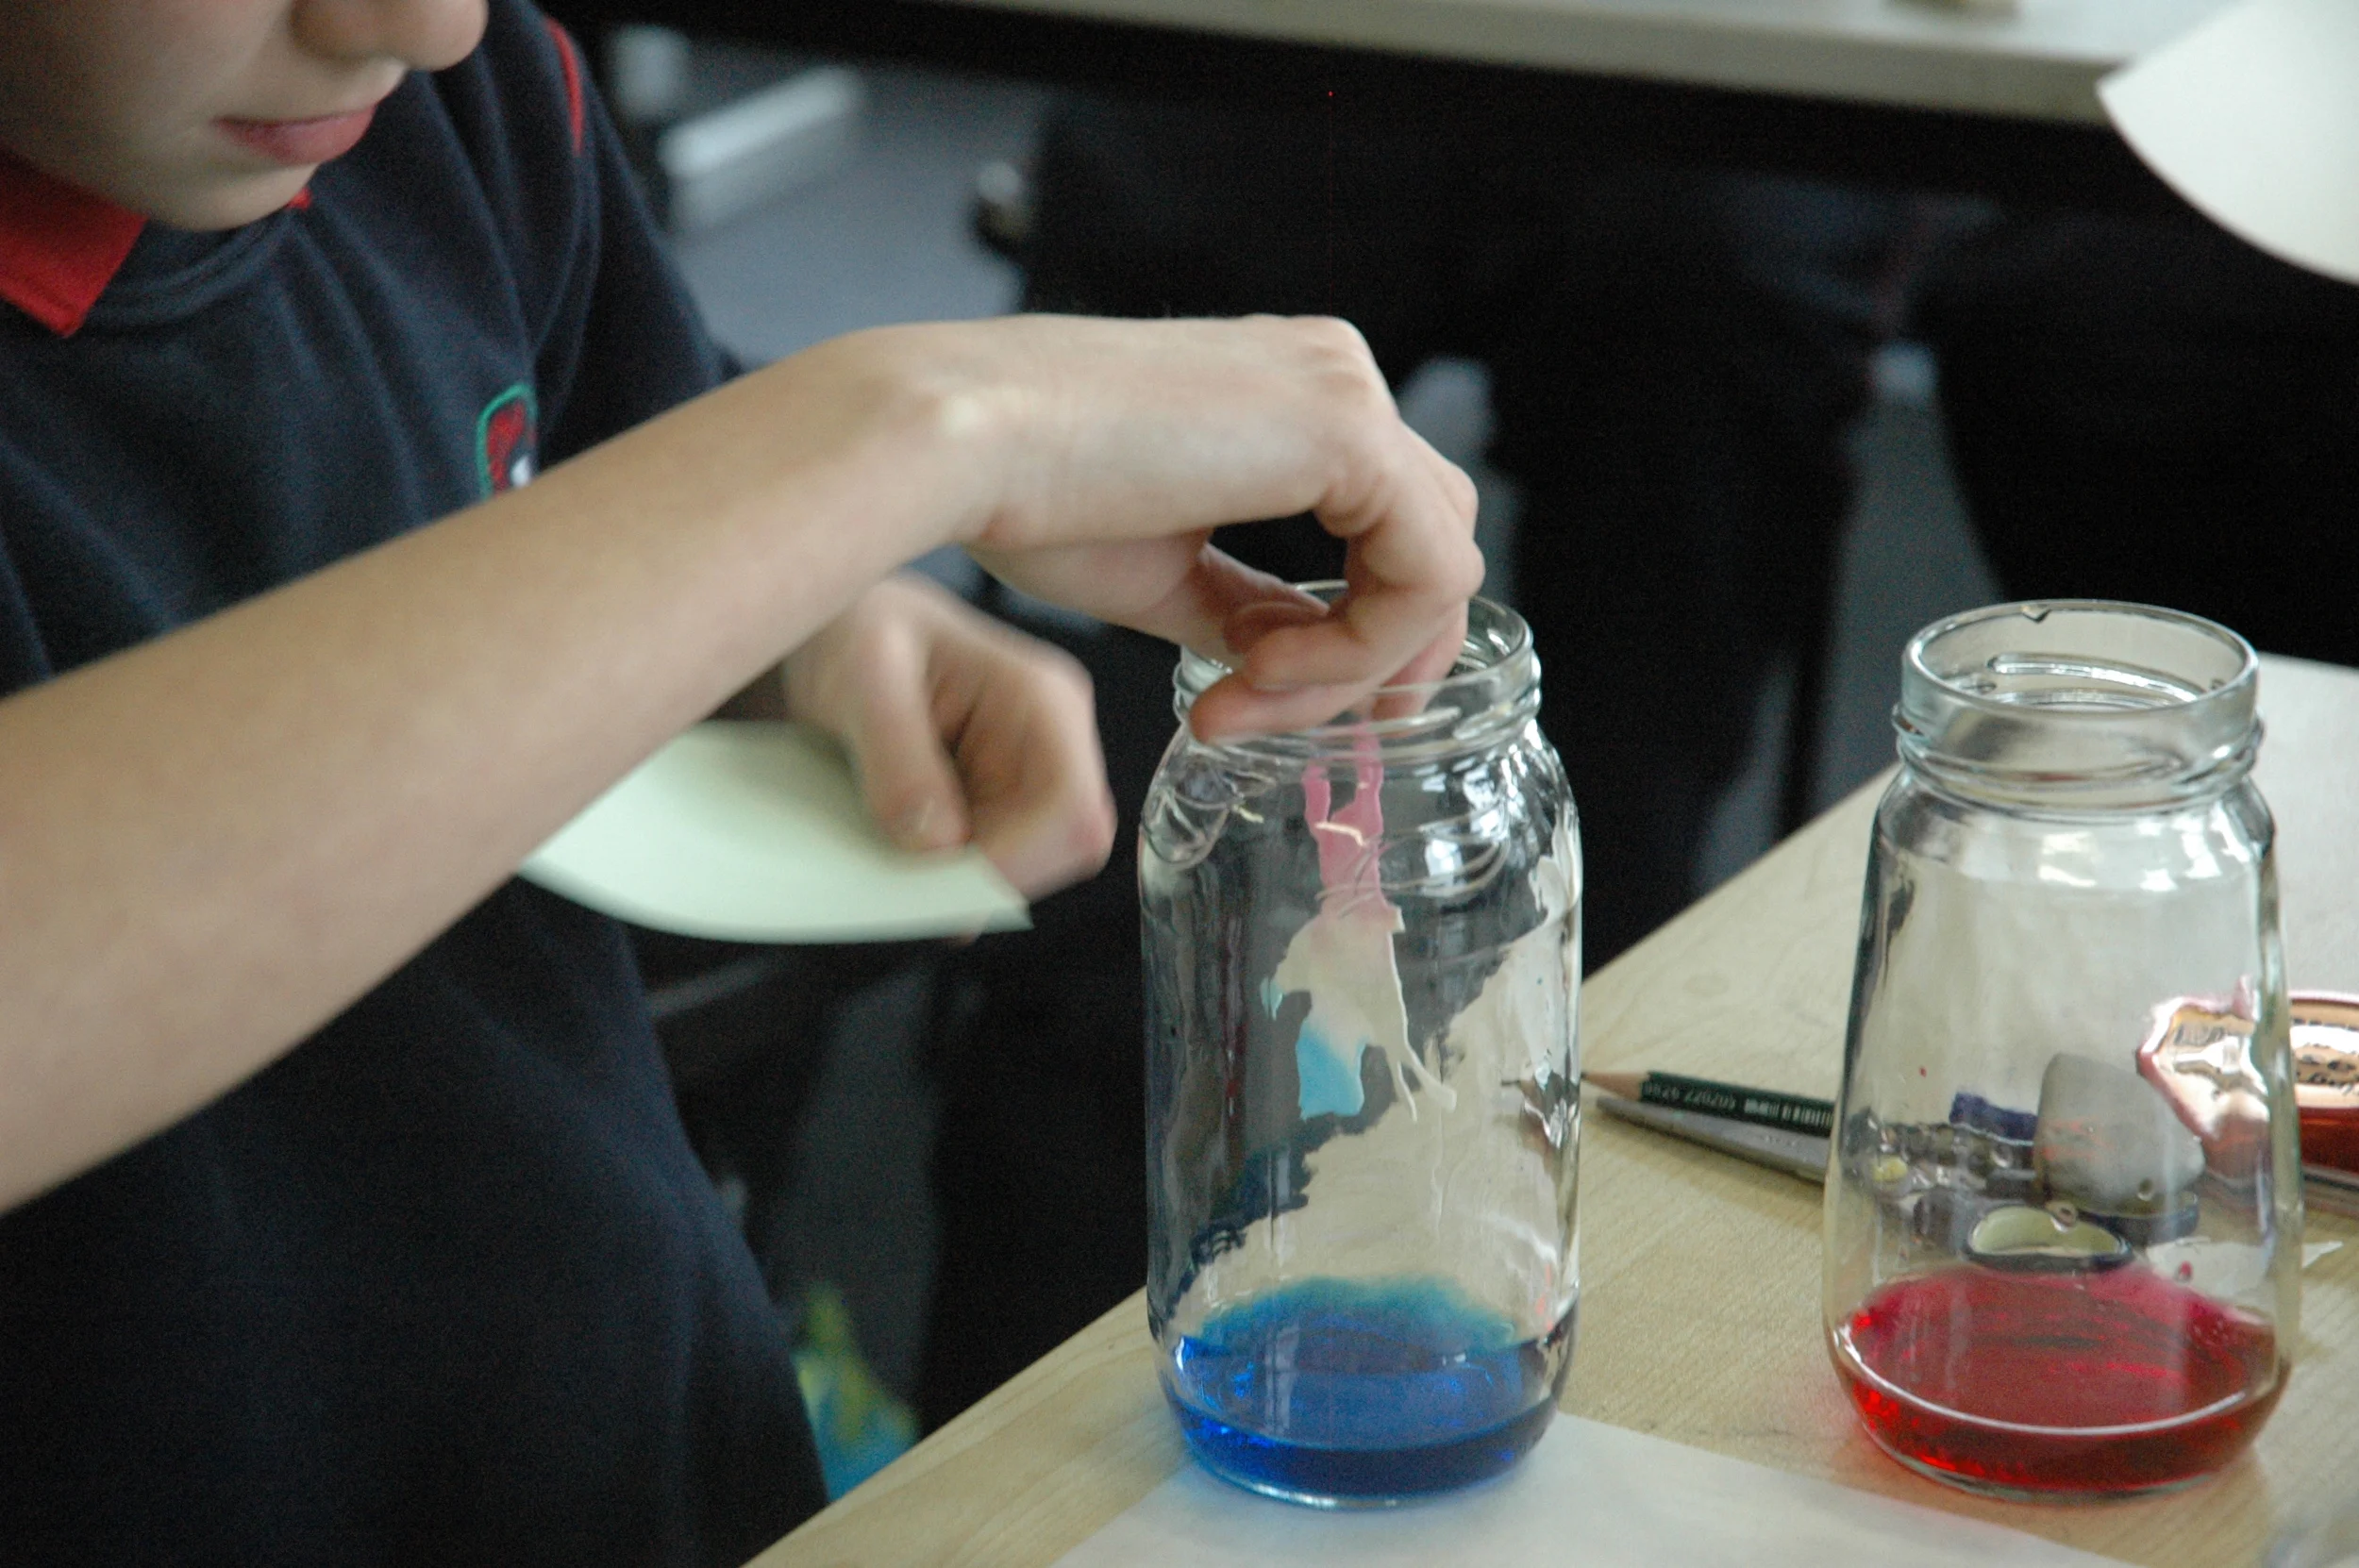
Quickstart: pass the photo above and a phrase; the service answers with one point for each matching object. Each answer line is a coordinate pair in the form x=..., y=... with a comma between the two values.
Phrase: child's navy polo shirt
x=444, y=1284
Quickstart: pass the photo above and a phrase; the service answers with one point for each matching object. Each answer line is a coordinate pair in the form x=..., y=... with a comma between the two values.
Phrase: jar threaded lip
x=2099, y=702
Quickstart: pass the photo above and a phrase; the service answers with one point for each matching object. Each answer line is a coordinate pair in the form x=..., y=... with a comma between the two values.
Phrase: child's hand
x=961, y=731
x=1105, y=452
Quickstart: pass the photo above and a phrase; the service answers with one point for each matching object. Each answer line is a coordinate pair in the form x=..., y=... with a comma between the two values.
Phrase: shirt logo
x=507, y=439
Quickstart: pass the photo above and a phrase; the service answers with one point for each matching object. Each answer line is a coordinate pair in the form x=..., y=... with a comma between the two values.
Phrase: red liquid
x=2056, y=1385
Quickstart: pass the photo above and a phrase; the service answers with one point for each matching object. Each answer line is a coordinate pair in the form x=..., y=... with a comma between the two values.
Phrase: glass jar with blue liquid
x=1362, y=949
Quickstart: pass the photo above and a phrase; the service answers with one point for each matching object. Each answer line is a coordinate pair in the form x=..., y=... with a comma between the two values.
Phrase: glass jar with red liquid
x=2063, y=1213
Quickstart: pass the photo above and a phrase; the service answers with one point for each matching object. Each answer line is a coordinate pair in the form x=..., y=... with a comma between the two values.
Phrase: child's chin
x=228, y=203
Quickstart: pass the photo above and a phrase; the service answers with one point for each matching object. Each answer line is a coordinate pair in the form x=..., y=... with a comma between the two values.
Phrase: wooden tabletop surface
x=2034, y=59
x=1751, y=985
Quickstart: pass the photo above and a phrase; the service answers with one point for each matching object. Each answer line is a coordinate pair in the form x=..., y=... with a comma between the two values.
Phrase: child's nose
x=425, y=34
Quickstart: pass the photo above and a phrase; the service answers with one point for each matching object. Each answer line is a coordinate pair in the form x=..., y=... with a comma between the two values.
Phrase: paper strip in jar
x=1342, y=957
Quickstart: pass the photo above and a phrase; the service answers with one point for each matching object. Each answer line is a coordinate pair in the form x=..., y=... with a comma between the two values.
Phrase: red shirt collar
x=60, y=245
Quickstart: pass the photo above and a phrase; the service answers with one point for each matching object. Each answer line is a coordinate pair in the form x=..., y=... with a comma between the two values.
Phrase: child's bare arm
x=211, y=843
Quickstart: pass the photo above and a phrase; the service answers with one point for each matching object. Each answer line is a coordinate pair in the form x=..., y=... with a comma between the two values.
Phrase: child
x=350, y=1219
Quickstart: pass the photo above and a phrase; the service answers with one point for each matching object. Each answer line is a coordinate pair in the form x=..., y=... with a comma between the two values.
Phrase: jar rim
x=2114, y=705
x=1494, y=633
x=2237, y=685
x=1493, y=689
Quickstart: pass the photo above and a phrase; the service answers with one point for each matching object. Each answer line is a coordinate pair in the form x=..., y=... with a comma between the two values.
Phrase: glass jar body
x=1363, y=959
x=2062, y=1223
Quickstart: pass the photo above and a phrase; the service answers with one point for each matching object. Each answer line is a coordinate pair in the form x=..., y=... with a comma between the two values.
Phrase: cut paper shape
x=2253, y=117
x=1342, y=957
x=745, y=831
x=1589, y=1496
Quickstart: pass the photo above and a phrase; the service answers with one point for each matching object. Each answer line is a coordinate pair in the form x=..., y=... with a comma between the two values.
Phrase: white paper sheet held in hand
x=1589, y=1496
x=2253, y=117
x=757, y=832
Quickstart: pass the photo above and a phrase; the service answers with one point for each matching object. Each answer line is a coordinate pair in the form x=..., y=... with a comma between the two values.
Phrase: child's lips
x=300, y=142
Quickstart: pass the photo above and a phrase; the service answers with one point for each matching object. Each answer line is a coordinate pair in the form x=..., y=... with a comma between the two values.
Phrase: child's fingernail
x=920, y=825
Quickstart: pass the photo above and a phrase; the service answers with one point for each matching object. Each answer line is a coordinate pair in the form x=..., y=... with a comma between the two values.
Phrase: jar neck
x=2079, y=706
x=1489, y=697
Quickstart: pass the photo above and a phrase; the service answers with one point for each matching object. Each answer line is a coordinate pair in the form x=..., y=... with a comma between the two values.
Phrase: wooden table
x=1751, y=984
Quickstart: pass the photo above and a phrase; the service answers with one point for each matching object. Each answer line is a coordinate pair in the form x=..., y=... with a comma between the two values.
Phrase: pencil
x=1761, y=1106
x=1799, y=1153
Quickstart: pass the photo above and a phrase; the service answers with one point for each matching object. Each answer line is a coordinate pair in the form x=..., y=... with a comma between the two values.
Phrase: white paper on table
x=755, y=832
x=2253, y=117
x=1589, y=1496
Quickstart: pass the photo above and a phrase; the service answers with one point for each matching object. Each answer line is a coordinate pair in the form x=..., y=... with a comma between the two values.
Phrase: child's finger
x=1250, y=624
x=1182, y=589
x=909, y=781
x=1028, y=753
x=1383, y=627
x=1046, y=816
x=1413, y=564
x=1232, y=706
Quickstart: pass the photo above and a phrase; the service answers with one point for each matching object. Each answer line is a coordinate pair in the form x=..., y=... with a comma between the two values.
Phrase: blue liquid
x=1344, y=1391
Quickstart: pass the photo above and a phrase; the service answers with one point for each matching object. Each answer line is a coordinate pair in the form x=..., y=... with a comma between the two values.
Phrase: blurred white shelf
x=2037, y=59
